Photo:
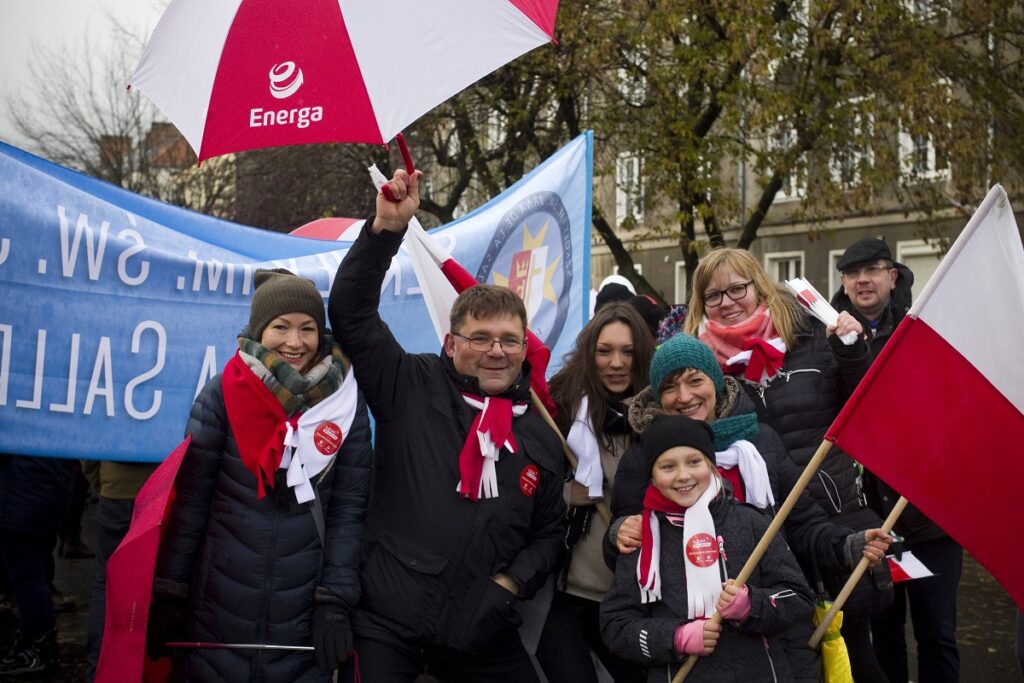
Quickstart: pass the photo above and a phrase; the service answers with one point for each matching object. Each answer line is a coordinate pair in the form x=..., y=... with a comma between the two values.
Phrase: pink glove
x=739, y=608
x=689, y=638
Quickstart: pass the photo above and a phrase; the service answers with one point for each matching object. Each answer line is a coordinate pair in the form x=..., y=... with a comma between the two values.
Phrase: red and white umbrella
x=336, y=229
x=235, y=75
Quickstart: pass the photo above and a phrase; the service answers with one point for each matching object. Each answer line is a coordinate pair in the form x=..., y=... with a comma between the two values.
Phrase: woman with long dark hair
x=608, y=365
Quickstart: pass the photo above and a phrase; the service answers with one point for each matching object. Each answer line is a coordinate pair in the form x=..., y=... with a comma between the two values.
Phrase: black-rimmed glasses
x=484, y=343
x=735, y=292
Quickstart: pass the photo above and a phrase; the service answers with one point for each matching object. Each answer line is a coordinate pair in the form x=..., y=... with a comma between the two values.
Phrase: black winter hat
x=280, y=292
x=864, y=251
x=669, y=431
x=611, y=292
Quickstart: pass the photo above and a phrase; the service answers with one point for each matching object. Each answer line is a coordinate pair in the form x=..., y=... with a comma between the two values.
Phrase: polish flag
x=907, y=567
x=940, y=414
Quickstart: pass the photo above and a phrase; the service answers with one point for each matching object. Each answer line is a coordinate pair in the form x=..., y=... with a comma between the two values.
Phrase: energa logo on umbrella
x=285, y=79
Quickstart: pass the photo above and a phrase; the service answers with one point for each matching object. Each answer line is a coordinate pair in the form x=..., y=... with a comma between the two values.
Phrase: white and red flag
x=907, y=567
x=940, y=414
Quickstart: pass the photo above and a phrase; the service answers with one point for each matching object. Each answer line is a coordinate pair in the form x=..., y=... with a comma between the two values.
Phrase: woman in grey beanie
x=262, y=542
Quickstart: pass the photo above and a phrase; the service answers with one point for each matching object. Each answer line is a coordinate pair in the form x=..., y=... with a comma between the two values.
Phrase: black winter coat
x=912, y=524
x=34, y=493
x=430, y=553
x=747, y=651
x=253, y=568
x=817, y=377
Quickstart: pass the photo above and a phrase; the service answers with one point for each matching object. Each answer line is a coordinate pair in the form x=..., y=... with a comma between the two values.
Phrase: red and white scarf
x=268, y=439
x=751, y=348
x=700, y=550
x=491, y=430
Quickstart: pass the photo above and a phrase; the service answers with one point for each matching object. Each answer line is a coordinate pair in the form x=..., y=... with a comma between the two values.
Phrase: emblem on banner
x=531, y=254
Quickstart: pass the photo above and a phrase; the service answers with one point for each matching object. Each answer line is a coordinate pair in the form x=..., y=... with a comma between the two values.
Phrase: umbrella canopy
x=234, y=75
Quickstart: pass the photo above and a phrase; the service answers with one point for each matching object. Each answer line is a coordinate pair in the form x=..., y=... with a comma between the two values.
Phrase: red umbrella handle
x=410, y=168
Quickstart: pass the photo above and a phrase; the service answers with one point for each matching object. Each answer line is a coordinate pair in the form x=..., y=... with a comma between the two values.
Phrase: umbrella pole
x=238, y=646
x=406, y=157
x=766, y=539
x=538, y=405
x=851, y=582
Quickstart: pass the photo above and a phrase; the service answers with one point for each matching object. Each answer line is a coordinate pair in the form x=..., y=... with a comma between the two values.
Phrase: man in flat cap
x=876, y=290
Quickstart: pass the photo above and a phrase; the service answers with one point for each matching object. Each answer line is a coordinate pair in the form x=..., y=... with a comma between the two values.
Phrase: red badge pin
x=529, y=480
x=702, y=550
x=327, y=438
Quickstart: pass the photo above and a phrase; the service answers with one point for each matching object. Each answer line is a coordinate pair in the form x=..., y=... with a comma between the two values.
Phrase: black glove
x=167, y=623
x=332, y=635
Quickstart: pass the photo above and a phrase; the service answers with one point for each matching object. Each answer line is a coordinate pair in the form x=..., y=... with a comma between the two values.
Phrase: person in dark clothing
x=262, y=543
x=695, y=537
x=34, y=495
x=750, y=456
x=467, y=513
x=876, y=291
x=798, y=373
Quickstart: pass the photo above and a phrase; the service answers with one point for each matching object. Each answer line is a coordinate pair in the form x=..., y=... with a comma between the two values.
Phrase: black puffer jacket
x=430, y=553
x=253, y=568
x=747, y=651
x=912, y=524
x=800, y=403
x=807, y=528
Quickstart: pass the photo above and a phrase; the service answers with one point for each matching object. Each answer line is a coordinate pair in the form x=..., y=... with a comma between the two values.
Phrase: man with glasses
x=876, y=290
x=466, y=512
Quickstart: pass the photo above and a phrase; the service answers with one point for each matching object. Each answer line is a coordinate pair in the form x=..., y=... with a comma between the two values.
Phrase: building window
x=784, y=265
x=856, y=154
x=629, y=189
x=680, y=288
x=834, y=281
x=920, y=159
x=794, y=185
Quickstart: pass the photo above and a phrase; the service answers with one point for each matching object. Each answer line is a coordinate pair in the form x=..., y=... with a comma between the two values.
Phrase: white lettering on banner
x=129, y=389
x=209, y=369
x=394, y=273
x=5, y=362
x=102, y=369
x=213, y=270
x=140, y=246
x=69, y=404
x=93, y=251
x=5, y=249
x=300, y=117
x=37, y=386
x=101, y=385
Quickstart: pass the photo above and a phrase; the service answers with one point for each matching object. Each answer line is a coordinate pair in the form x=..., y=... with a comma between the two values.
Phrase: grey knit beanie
x=682, y=352
x=280, y=292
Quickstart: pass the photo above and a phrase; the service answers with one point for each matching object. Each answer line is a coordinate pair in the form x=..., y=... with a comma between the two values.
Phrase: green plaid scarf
x=296, y=392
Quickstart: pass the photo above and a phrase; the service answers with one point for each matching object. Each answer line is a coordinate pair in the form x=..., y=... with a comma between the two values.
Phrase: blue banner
x=116, y=309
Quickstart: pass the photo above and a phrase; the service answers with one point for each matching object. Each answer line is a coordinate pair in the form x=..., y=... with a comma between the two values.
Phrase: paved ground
x=986, y=632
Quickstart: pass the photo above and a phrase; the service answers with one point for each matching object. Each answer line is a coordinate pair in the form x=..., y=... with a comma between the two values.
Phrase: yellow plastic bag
x=835, y=660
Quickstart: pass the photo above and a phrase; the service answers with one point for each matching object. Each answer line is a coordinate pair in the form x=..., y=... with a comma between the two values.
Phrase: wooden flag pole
x=766, y=539
x=851, y=582
x=602, y=509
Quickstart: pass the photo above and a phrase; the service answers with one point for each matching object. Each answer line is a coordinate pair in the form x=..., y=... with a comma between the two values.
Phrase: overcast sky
x=56, y=24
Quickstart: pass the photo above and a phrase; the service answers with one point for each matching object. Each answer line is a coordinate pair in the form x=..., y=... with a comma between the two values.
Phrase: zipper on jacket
x=789, y=374
x=771, y=662
x=760, y=394
x=781, y=595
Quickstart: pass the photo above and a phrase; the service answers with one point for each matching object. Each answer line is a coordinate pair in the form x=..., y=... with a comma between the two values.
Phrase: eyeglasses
x=484, y=343
x=735, y=292
x=870, y=271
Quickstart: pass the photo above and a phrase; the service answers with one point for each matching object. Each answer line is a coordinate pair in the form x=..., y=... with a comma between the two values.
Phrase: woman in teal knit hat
x=687, y=380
